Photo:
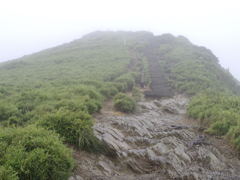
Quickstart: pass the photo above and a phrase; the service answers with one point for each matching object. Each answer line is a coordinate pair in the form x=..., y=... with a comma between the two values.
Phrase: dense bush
x=124, y=103
x=33, y=153
x=90, y=91
x=136, y=76
x=75, y=127
x=109, y=90
x=128, y=79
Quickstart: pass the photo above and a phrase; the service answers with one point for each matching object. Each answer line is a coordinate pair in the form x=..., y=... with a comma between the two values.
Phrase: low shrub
x=219, y=113
x=109, y=90
x=219, y=128
x=124, y=103
x=33, y=153
x=233, y=136
x=129, y=79
x=75, y=127
x=121, y=86
x=87, y=90
x=136, y=76
x=91, y=106
x=79, y=103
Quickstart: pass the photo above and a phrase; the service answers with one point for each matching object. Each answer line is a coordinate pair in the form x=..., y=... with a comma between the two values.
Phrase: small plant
x=124, y=103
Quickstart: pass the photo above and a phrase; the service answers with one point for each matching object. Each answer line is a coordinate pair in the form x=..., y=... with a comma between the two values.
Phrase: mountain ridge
x=60, y=88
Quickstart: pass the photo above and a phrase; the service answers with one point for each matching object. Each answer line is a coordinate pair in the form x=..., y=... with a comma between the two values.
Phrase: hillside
x=57, y=91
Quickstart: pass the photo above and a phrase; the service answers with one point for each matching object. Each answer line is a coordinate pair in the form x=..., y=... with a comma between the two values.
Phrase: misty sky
x=29, y=26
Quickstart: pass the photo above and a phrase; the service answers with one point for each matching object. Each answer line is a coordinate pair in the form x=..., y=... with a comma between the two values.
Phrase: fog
x=30, y=26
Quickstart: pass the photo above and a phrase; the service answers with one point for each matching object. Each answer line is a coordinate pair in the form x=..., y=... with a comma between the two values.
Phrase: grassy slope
x=101, y=56
x=51, y=79
x=195, y=70
x=58, y=89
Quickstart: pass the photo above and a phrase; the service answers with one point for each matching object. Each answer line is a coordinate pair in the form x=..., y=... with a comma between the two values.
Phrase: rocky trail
x=156, y=143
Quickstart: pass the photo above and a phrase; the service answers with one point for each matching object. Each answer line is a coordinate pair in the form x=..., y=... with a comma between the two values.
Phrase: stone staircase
x=160, y=86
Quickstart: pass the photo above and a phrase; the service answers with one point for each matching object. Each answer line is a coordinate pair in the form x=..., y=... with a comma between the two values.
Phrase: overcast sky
x=29, y=26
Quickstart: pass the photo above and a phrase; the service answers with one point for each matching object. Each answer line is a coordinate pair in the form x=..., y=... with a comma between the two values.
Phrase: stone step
x=159, y=84
x=159, y=81
x=158, y=74
x=162, y=88
x=158, y=93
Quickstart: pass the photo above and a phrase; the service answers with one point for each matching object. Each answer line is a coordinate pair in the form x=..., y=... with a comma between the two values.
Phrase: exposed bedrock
x=152, y=144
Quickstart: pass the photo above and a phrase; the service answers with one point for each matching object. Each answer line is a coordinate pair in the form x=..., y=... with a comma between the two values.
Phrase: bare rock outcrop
x=153, y=144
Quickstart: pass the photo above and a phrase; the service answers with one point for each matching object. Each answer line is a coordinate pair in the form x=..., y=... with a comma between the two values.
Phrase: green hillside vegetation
x=77, y=76
x=58, y=89
x=193, y=69
x=215, y=92
x=220, y=113
x=54, y=93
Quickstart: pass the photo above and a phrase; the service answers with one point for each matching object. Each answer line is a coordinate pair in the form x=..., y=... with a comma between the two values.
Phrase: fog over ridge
x=28, y=27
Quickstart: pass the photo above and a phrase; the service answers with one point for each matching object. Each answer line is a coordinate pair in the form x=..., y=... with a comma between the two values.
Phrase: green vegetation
x=124, y=103
x=136, y=94
x=7, y=173
x=48, y=98
x=193, y=69
x=215, y=93
x=75, y=127
x=58, y=90
x=33, y=153
x=218, y=112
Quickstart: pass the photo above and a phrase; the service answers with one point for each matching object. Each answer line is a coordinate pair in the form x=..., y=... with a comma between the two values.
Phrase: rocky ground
x=156, y=143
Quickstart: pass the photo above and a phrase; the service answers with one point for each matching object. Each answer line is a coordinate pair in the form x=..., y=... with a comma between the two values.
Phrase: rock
x=76, y=178
x=153, y=145
x=157, y=103
x=105, y=167
x=79, y=178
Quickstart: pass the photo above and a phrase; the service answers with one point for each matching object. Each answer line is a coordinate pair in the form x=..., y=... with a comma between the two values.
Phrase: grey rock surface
x=153, y=144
